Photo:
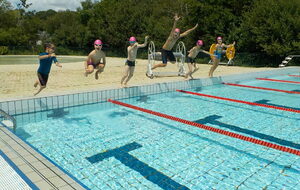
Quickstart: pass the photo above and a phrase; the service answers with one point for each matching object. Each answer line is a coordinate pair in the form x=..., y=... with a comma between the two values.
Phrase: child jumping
x=46, y=59
x=93, y=60
x=166, y=51
x=191, y=58
x=218, y=54
x=130, y=62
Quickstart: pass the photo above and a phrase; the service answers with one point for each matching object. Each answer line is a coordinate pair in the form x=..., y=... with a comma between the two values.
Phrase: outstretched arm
x=144, y=44
x=230, y=45
x=176, y=18
x=188, y=31
x=206, y=52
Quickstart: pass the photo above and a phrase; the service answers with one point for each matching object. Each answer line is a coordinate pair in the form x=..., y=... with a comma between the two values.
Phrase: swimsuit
x=91, y=63
x=218, y=52
x=44, y=68
x=130, y=63
x=190, y=60
x=167, y=54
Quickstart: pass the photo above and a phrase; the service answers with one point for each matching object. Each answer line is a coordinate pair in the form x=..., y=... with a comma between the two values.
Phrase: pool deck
x=41, y=172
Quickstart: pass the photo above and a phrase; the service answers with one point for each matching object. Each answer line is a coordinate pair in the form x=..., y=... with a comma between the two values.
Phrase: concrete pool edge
x=18, y=106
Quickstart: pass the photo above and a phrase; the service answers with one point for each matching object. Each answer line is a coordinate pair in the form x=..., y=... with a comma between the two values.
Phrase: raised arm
x=176, y=18
x=144, y=44
x=188, y=31
x=230, y=45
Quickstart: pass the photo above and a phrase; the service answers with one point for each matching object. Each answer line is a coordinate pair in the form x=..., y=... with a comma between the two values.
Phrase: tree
x=272, y=27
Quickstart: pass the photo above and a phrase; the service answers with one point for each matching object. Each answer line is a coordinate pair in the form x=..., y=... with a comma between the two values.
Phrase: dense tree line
x=265, y=30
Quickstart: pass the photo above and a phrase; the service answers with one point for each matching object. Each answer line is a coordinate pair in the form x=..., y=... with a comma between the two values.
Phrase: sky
x=57, y=5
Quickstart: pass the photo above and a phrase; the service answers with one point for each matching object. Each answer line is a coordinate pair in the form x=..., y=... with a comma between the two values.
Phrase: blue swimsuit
x=218, y=52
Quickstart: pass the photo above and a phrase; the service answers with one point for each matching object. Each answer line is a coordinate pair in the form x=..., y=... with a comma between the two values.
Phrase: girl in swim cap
x=220, y=46
x=192, y=56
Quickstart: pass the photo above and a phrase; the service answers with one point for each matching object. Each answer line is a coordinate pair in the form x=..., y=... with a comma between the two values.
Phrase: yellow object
x=230, y=52
x=212, y=50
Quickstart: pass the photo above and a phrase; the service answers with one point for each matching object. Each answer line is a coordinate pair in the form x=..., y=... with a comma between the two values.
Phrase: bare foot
x=191, y=76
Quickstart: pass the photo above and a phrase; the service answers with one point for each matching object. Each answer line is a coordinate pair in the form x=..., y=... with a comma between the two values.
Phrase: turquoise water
x=31, y=59
x=108, y=146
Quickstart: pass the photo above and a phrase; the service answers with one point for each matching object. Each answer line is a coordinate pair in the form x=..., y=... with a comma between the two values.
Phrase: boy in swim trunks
x=46, y=59
x=130, y=62
x=218, y=54
x=191, y=58
x=166, y=51
x=93, y=60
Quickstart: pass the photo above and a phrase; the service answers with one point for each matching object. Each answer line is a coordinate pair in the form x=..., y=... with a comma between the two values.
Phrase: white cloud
x=57, y=5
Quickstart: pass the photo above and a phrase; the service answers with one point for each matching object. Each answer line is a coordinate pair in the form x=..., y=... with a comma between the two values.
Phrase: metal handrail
x=9, y=117
x=287, y=59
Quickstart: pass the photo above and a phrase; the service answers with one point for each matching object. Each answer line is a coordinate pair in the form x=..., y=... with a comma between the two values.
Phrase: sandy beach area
x=17, y=80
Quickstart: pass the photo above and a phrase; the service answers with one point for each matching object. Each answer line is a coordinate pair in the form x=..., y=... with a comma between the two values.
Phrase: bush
x=3, y=50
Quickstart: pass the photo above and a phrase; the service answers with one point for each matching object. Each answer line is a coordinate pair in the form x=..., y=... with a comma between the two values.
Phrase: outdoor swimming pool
x=108, y=146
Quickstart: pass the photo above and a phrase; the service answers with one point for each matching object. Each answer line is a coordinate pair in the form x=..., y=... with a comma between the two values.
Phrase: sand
x=17, y=80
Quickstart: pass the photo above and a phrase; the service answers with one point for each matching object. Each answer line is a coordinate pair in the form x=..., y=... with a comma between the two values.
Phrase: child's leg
x=190, y=70
x=89, y=70
x=195, y=67
x=126, y=73
x=37, y=82
x=213, y=67
x=131, y=70
x=41, y=88
x=100, y=70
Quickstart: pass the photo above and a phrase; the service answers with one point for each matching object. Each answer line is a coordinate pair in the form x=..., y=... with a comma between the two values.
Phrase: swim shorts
x=167, y=54
x=43, y=78
x=130, y=63
x=190, y=60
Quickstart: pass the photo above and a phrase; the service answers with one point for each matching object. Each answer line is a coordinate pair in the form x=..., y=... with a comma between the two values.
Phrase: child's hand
x=52, y=55
x=176, y=17
x=58, y=64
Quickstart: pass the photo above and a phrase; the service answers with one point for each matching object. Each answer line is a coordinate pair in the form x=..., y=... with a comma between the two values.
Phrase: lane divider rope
x=262, y=88
x=241, y=101
x=294, y=75
x=276, y=80
x=212, y=129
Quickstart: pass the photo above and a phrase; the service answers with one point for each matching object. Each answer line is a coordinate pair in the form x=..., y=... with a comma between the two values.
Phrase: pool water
x=107, y=146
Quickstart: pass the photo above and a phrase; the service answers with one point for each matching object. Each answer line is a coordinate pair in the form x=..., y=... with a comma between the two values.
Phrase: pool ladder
x=287, y=59
x=7, y=120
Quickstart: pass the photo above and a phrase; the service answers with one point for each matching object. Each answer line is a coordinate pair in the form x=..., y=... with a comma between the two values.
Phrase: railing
x=287, y=60
x=7, y=120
